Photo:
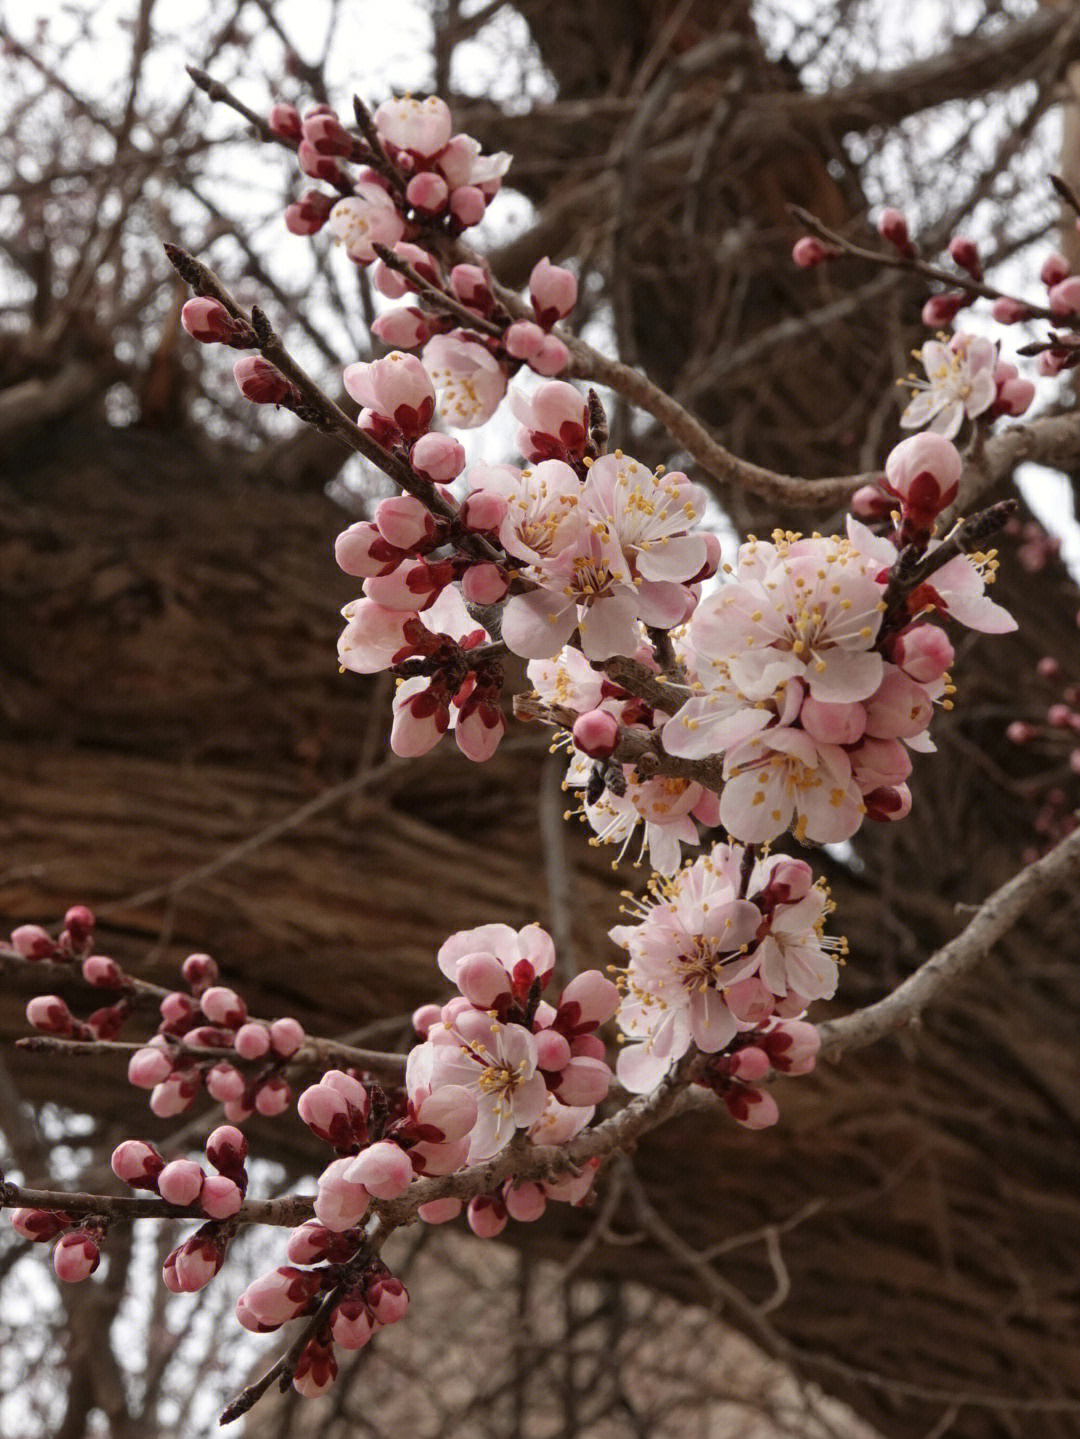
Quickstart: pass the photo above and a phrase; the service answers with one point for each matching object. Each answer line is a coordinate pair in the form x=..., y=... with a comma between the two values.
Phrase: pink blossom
x=792, y=1045
x=403, y=391
x=794, y=954
x=588, y=1001
x=498, y=1066
x=470, y=380
x=438, y=458
x=372, y=636
x=960, y=384
x=403, y=328
x=923, y=652
x=554, y=421
x=647, y=516
x=421, y=127
x=583, y=1081
x=366, y=219
x=782, y=774
x=522, y=955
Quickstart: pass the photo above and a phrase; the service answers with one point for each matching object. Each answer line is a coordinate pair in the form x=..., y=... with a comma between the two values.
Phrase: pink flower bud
x=310, y=1242
x=137, y=1163
x=523, y=339
x=1007, y=311
x=223, y=1006
x=483, y=510
x=403, y=329
x=39, y=1225
x=326, y=1113
x=552, y=1051
x=892, y=226
x=49, y=1014
x=868, y=503
x=789, y=880
x=589, y=1045
x=486, y=1216
x=428, y=193
x=403, y=391
x=328, y=136
x=596, y=733
x=30, y=941
x=352, y=1324
x=924, y=653
x=574, y=1188
x=252, y=1041
x=792, y=1045
x=75, y=1257
x=180, y=1181
x=750, y=1064
x=260, y=382
x=350, y=1088
x=467, y=205
x=383, y=1169
x=195, y=1263
x=879, y=762
x=174, y=1094
x=79, y=923
x=484, y=584
x=282, y=1294
x=524, y=1202
x=245, y=1318
x=199, y=971
x=225, y=1084
x=1014, y=397
x=943, y=309
x=808, y=252
x=752, y=1108
x=1052, y=362
x=424, y=1017
x=553, y=292
x=965, y=253
x=482, y=980
x=551, y=358
x=1055, y=268
x=900, y=708
x=888, y=802
x=1064, y=297
x=470, y=284
x=924, y=473
x=339, y=1204
x=832, y=723
x=227, y=1149
x=387, y=1298
x=404, y=521
x=285, y=121
x=1020, y=732
x=438, y=458
x=440, y=1211
x=286, y=1036
x=148, y=1067
x=273, y=1096
x=1048, y=668
x=584, y=1081
x=208, y=321
x=589, y=1000
x=220, y=1196
x=103, y=972
x=309, y=214
x=319, y=167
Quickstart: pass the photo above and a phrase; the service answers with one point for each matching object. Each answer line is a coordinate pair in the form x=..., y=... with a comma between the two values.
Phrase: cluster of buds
x=214, y=1017
x=369, y=1298
x=73, y=948
x=1055, y=737
x=786, y=1046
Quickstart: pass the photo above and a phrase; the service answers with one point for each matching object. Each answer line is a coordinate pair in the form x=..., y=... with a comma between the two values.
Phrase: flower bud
x=486, y=1216
x=327, y=136
x=227, y=1149
x=387, y=1298
x=584, y=1081
x=403, y=329
x=261, y=383
x=965, y=253
x=552, y=357
x=220, y=1196
x=103, y=972
x=750, y=1064
x=383, y=1169
x=148, y=1067
x=483, y=510
x=252, y=1041
x=596, y=733
x=808, y=252
x=137, y=1163
x=309, y=214
x=523, y=339
x=404, y=521
x=50, y=1015
x=225, y=1083
x=285, y=122
x=319, y=167
x=40, y=1225
x=484, y=584
x=199, y=972
x=286, y=1036
x=440, y=1211
x=428, y=193
x=340, y=1204
x=75, y=1257
x=892, y=226
x=79, y=923
x=467, y=205
x=1064, y=297
x=30, y=941
x=941, y=310
x=924, y=652
x=208, y=321
x=1007, y=311
x=524, y=1202
x=1055, y=268
x=752, y=1108
x=180, y=1181
x=553, y=292
x=552, y=1051
x=792, y=1045
x=273, y=1096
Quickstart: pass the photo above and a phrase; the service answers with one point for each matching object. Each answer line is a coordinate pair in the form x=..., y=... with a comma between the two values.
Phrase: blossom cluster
x=726, y=955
